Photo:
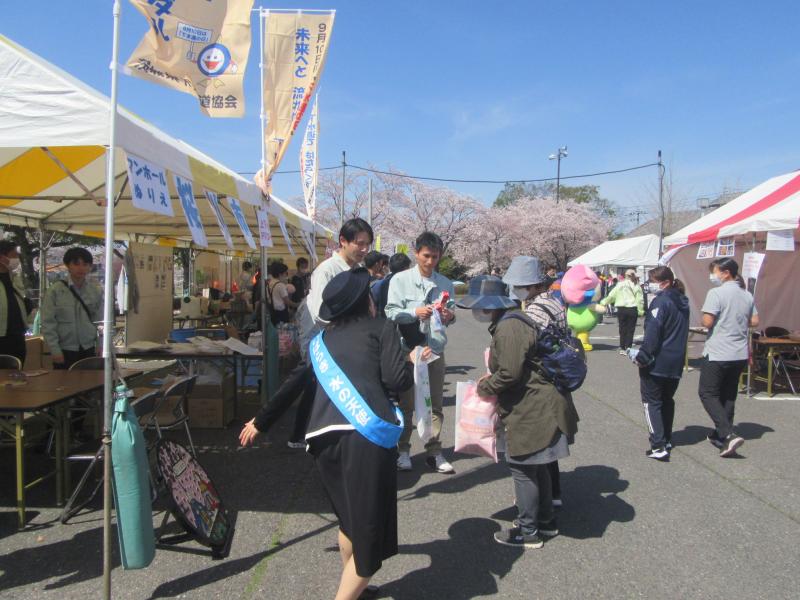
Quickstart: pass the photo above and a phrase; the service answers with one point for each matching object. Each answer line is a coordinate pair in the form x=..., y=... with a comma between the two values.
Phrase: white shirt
x=325, y=271
x=279, y=293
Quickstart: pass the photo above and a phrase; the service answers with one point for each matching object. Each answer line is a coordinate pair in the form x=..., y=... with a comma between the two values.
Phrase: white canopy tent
x=54, y=130
x=630, y=252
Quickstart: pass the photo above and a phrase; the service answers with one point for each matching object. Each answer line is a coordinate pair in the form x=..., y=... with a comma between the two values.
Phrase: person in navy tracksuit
x=661, y=357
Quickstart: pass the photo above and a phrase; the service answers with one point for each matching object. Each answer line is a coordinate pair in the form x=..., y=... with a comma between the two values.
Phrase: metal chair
x=10, y=362
x=144, y=409
x=92, y=363
x=176, y=398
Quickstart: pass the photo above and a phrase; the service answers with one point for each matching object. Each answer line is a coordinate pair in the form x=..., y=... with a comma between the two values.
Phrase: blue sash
x=350, y=403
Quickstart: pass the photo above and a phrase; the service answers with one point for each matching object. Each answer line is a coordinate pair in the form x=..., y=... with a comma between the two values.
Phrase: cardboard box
x=211, y=405
x=33, y=353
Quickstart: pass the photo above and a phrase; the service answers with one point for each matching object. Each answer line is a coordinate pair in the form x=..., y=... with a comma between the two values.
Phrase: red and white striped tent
x=745, y=223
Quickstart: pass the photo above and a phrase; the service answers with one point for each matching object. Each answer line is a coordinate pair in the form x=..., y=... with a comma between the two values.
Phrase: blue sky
x=487, y=90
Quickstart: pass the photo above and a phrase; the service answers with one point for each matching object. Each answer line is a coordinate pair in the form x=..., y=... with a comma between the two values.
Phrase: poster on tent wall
x=152, y=321
x=282, y=223
x=236, y=209
x=213, y=201
x=780, y=241
x=190, y=211
x=196, y=47
x=148, y=184
x=264, y=233
x=706, y=250
x=726, y=247
x=295, y=46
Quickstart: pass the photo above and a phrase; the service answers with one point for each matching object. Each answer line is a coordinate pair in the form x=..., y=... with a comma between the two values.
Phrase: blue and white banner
x=236, y=209
x=149, y=186
x=282, y=223
x=213, y=201
x=264, y=233
x=186, y=194
x=308, y=162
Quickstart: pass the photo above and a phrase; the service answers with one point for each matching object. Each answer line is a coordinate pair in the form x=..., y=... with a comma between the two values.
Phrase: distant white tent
x=629, y=252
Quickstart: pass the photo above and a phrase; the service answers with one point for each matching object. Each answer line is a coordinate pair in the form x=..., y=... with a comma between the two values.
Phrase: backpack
x=559, y=355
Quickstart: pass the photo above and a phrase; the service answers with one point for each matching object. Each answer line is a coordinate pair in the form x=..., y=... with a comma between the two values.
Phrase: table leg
x=66, y=427
x=770, y=356
x=58, y=428
x=19, y=439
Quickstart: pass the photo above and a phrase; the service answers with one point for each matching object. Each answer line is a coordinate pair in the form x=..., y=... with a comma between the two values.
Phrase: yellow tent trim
x=33, y=171
x=206, y=176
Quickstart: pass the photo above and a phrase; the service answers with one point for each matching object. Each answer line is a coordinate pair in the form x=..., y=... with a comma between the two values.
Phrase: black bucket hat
x=491, y=294
x=342, y=292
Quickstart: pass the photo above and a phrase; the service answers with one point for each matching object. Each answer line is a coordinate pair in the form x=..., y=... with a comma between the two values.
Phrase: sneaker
x=557, y=503
x=668, y=446
x=714, y=440
x=513, y=537
x=549, y=529
x=623, y=352
x=730, y=444
x=439, y=464
x=658, y=453
x=296, y=445
x=404, y=461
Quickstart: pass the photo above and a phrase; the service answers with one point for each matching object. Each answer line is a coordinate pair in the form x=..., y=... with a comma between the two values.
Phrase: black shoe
x=658, y=453
x=548, y=529
x=515, y=538
x=370, y=592
x=714, y=440
x=730, y=444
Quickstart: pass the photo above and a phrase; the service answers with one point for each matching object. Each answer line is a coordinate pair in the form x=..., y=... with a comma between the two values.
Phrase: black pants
x=73, y=356
x=14, y=345
x=719, y=386
x=301, y=380
x=555, y=479
x=658, y=398
x=534, y=494
x=626, y=317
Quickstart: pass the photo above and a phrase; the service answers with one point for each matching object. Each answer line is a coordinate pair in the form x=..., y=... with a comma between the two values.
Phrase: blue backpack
x=559, y=355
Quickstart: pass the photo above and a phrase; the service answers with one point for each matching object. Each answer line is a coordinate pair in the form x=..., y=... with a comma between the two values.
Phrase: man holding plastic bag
x=536, y=415
x=420, y=303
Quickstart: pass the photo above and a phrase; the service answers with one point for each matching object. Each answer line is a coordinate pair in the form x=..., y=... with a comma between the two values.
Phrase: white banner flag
x=213, y=200
x=149, y=186
x=186, y=194
x=308, y=162
x=236, y=209
x=264, y=233
x=282, y=223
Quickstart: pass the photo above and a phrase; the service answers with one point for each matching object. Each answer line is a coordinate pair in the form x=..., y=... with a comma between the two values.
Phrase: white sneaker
x=439, y=464
x=404, y=461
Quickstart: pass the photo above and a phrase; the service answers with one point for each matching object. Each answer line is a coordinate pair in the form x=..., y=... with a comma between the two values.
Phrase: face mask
x=714, y=279
x=521, y=292
x=482, y=316
x=654, y=288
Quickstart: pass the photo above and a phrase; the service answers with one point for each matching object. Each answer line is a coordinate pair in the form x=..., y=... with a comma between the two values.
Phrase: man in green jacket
x=410, y=304
x=628, y=297
x=71, y=310
x=13, y=312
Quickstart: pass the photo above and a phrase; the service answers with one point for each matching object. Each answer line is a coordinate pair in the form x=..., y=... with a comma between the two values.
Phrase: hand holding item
x=58, y=359
x=423, y=312
x=632, y=354
x=478, y=385
x=248, y=433
x=447, y=315
x=600, y=309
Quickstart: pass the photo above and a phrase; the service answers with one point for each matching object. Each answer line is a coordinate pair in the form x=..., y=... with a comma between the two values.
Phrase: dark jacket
x=531, y=408
x=370, y=354
x=666, y=330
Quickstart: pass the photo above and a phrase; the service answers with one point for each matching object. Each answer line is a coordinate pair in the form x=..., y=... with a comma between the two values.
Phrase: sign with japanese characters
x=751, y=264
x=295, y=46
x=236, y=209
x=782, y=241
x=197, y=47
x=264, y=234
x=213, y=201
x=282, y=223
x=148, y=184
x=308, y=163
x=186, y=195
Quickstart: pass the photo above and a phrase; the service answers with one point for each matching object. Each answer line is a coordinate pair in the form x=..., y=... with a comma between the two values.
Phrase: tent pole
x=42, y=263
x=660, y=205
x=108, y=312
x=262, y=282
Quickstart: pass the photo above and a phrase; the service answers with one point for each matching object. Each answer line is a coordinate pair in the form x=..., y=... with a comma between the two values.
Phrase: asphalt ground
x=697, y=527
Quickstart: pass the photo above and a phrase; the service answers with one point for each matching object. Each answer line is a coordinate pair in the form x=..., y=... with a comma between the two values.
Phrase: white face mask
x=12, y=264
x=482, y=316
x=654, y=288
x=714, y=279
x=521, y=292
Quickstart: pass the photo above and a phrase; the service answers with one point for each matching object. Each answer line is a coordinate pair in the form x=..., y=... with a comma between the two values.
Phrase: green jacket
x=16, y=282
x=407, y=292
x=626, y=294
x=531, y=408
x=65, y=324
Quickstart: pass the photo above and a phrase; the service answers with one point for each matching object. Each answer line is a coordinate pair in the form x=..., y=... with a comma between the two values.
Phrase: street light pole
x=562, y=153
x=660, y=205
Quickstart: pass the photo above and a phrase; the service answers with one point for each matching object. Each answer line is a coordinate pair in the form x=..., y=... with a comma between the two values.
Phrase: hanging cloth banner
x=213, y=201
x=196, y=47
x=282, y=223
x=186, y=194
x=295, y=46
x=264, y=233
x=308, y=162
x=236, y=209
x=149, y=186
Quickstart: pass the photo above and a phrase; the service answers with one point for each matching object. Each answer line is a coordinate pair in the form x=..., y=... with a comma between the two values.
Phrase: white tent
x=630, y=252
x=53, y=139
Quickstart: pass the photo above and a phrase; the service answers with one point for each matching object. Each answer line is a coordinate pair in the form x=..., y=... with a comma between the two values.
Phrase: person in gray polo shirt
x=728, y=312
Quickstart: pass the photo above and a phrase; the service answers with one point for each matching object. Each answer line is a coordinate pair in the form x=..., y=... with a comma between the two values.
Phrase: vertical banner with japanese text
x=236, y=209
x=149, y=186
x=308, y=162
x=264, y=233
x=213, y=201
x=295, y=47
x=197, y=47
x=190, y=210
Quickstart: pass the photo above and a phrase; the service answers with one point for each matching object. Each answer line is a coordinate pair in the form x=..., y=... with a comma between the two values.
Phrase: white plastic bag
x=422, y=397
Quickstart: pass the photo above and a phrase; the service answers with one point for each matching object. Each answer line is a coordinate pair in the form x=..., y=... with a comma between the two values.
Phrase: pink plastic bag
x=476, y=420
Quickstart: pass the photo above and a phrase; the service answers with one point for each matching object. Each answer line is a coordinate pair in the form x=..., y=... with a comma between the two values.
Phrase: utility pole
x=660, y=205
x=369, y=203
x=344, y=174
x=561, y=153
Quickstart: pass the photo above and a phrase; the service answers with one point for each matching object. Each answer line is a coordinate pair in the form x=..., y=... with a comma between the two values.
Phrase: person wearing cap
x=536, y=415
x=524, y=277
x=410, y=305
x=357, y=465
x=14, y=311
x=628, y=299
